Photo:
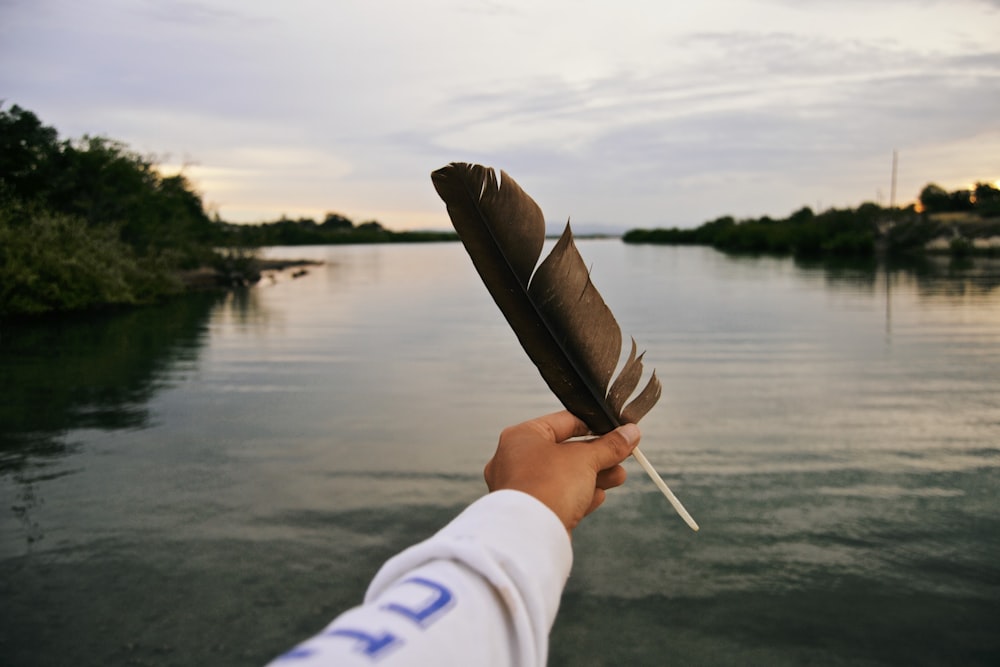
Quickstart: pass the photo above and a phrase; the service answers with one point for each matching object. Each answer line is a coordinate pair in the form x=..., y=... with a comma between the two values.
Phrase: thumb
x=615, y=446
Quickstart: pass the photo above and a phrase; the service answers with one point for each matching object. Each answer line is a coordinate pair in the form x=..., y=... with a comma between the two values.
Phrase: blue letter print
x=427, y=614
x=370, y=645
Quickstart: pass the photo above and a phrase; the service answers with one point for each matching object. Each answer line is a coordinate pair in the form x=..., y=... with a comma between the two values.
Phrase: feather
x=559, y=317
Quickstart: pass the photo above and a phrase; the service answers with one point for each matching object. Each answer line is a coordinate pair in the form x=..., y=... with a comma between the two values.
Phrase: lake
x=213, y=480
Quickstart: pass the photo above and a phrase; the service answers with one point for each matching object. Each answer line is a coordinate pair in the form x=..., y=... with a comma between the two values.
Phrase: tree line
x=983, y=199
x=960, y=216
x=334, y=229
x=88, y=223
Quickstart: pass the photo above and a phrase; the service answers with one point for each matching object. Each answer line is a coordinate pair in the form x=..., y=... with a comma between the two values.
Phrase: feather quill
x=559, y=317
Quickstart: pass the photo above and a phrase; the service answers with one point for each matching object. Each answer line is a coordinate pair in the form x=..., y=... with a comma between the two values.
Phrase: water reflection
x=100, y=372
x=97, y=372
x=268, y=449
x=933, y=276
x=932, y=280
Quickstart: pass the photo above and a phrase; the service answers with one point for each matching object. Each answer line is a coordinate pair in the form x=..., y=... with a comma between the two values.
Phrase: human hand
x=568, y=477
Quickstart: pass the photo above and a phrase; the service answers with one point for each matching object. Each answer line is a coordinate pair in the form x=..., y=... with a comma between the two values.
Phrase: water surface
x=215, y=479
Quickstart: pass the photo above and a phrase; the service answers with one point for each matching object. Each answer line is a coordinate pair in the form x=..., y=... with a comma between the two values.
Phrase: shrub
x=56, y=262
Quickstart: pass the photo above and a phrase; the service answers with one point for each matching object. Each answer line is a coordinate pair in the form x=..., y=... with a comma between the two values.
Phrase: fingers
x=570, y=478
x=563, y=425
x=606, y=479
x=615, y=446
x=610, y=478
x=596, y=502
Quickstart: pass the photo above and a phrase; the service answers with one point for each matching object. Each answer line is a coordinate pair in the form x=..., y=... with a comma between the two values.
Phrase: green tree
x=335, y=222
x=934, y=199
x=986, y=199
x=803, y=215
x=960, y=200
x=27, y=152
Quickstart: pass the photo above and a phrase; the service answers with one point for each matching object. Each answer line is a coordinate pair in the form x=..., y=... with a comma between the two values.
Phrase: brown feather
x=557, y=314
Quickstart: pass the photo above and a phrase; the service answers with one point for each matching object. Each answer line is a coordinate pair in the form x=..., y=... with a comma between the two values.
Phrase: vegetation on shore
x=334, y=229
x=961, y=222
x=89, y=223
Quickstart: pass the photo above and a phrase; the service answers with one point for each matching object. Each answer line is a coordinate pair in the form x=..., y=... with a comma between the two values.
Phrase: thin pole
x=892, y=192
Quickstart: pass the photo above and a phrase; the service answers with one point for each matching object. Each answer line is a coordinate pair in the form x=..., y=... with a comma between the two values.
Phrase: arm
x=485, y=589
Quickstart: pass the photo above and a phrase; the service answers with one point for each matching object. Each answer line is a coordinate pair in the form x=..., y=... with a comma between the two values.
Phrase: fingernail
x=630, y=432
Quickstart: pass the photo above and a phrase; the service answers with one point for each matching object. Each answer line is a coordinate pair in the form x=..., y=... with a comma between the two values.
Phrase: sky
x=614, y=114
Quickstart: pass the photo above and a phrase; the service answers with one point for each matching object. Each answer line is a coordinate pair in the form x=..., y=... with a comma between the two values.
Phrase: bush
x=56, y=262
x=960, y=247
x=850, y=243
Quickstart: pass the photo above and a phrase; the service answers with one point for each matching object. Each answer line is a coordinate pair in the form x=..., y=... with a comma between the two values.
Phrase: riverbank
x=205, y=278
x=963, y=234
x=864, y=232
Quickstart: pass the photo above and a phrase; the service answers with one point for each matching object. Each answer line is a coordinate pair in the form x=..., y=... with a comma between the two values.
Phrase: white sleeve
x=483, y=591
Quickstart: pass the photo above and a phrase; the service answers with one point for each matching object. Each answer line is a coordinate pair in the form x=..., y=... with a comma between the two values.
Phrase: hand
x=569, y=477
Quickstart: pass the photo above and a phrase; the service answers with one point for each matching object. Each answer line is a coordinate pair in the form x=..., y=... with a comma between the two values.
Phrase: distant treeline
x=334, y=229
x=959, y=217
x=845, y=232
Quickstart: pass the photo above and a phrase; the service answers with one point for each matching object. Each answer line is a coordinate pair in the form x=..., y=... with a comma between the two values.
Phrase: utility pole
x=892, y=191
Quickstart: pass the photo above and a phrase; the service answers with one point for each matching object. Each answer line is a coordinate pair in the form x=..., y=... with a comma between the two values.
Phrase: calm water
x=214, y=480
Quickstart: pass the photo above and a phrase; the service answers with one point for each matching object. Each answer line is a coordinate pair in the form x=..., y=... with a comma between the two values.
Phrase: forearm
x=484, y=590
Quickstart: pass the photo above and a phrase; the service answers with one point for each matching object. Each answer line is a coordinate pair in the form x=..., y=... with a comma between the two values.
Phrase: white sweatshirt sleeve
x=484, y=590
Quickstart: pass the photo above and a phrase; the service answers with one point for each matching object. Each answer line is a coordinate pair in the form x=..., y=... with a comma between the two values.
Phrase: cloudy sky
x=615, y=114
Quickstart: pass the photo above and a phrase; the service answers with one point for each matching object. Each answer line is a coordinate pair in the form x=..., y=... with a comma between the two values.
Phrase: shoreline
x=206, y=278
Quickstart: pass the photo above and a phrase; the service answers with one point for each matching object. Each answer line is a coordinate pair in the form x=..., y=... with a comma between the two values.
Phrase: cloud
x=196, y=14
x=647, y=113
